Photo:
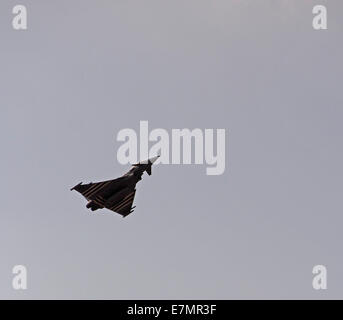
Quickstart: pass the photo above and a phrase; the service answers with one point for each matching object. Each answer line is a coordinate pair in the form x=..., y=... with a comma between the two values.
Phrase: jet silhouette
x=117, y=194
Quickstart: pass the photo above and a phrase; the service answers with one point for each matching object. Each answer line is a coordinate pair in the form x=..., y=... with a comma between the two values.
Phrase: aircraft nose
x=153, y=159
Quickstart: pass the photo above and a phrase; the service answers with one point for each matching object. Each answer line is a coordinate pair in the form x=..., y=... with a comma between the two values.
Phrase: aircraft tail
x=148, y=163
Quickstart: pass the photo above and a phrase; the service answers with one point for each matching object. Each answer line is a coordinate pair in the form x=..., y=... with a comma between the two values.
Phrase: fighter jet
x=118, y=194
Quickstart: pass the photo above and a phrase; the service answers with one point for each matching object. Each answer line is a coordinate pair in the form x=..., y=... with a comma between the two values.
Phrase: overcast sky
x=86, y=69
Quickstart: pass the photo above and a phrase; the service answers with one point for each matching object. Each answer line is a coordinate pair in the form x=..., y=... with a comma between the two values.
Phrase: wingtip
x=75, y=186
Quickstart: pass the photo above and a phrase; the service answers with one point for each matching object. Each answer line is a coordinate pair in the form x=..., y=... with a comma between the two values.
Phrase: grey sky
x=86, y=69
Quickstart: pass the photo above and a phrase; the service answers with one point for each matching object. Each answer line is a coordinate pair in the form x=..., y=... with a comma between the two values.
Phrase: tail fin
x=148, y=163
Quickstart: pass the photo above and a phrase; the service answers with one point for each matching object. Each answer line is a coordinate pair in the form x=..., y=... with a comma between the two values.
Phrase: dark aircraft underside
x=109, y=195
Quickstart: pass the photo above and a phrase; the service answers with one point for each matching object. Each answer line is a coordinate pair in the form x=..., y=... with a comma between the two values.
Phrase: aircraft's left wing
x=97, y=193
x=89, y=190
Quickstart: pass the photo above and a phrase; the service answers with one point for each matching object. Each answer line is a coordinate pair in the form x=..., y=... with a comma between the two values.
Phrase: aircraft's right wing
x=124, y=206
